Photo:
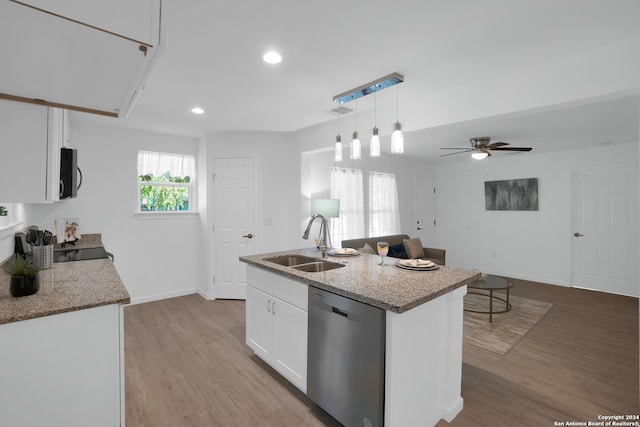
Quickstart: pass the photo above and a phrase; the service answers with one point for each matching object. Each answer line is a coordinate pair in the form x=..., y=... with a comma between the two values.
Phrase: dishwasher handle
x=340, y=312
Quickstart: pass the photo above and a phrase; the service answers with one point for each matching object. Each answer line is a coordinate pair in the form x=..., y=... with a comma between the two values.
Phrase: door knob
x=250, y=236
x=578, y=234
x=419, y=228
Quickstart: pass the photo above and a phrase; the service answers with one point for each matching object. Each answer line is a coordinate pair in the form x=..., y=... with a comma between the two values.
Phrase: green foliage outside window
x=157, y=197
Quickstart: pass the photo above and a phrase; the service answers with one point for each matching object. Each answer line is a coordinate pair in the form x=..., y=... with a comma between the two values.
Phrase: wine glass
x=383, y=250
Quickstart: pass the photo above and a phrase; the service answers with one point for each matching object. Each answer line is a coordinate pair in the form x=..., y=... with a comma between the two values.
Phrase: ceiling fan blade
x=512, y=149
x=451, y=154
x=456, y=148
x=493, y=145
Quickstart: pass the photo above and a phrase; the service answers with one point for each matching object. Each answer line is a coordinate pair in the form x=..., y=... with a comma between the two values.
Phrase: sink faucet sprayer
x=323, y=229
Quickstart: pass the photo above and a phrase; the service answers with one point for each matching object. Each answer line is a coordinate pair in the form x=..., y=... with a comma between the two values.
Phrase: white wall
x=533, y=245
x=157, y=257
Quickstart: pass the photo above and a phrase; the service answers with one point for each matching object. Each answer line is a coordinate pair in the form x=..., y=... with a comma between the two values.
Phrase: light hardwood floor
x=187, y=365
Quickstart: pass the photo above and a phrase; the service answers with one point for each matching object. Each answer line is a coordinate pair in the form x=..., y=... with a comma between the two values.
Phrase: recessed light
x=197, y=110
x=272, y=57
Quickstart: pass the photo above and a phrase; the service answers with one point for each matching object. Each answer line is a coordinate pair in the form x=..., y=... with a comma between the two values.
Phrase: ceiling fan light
x=479, y=154
x=374, y=145
x=337, y=156
x=397, y=140
x=355, y=147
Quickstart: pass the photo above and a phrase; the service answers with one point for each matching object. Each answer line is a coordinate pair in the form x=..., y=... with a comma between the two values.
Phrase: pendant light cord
x=397, y=104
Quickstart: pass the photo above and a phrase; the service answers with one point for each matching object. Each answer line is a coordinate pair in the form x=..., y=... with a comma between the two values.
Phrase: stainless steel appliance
x=346, y=356
x=69, y=171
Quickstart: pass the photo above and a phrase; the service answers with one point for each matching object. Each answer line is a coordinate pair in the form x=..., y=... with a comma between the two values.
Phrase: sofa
x=397, y=248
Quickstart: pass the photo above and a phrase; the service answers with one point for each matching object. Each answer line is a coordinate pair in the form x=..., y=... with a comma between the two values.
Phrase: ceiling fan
x=480, y=147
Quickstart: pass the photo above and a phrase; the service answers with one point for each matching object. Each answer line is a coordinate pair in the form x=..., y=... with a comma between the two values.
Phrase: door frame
x=573, y=246
x=212, y=241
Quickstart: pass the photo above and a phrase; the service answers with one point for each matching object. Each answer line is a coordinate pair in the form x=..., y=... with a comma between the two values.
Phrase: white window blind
x=346, y=185
x=384, y=212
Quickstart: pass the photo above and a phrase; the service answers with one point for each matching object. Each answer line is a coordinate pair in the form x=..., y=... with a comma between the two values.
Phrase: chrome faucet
x=323, y=229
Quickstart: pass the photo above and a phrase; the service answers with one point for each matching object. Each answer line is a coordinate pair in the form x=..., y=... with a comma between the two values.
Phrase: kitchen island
x=424, y=314
x=62, y=357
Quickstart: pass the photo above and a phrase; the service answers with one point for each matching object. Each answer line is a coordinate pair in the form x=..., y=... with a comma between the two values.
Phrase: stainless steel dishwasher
x=346, y=350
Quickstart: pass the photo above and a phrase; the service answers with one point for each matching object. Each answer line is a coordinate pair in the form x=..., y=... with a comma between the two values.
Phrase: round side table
x=491, y=283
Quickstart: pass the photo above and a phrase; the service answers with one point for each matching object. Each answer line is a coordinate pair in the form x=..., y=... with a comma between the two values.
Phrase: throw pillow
x=413, y=248
x=398, y=251
x=367, y=250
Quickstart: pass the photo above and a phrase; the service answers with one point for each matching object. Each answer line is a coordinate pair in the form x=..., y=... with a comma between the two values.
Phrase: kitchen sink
x=317, y=266
x=291, y=260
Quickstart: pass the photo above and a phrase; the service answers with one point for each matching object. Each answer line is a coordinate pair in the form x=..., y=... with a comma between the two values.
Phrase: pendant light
x=397, y=140
x=374, y=144
x=337, y=151
x=355, y=147
x=337, y=157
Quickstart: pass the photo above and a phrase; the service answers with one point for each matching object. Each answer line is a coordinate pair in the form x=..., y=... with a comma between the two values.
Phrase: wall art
x=511, y=195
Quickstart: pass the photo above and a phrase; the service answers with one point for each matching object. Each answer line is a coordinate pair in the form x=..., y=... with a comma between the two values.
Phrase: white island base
x=423, y=367
x=424, y=332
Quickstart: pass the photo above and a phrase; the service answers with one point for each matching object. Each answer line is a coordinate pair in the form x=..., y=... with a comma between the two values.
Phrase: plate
x=405, y=267
x=410, y=264
x=343, y=252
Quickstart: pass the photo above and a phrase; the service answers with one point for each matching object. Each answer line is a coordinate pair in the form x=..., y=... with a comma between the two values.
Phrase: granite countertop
x=362, y=279
x=67, y=286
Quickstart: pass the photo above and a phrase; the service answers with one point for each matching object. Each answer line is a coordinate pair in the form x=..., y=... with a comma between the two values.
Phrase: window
x=165, y=181
x=384, y=213
x=346, y=185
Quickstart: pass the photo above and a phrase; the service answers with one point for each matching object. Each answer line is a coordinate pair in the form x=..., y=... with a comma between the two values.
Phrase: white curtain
x=384, y=212
x=346, y=185
x=156, y=164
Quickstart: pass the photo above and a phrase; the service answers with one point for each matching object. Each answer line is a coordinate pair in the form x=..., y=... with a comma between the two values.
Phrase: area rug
x=507, y=328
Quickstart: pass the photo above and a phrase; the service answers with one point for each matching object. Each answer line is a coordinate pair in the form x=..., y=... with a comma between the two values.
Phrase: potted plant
x=4, y=216
x=24, y=277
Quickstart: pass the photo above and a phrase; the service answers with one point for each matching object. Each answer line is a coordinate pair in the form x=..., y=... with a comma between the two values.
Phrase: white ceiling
x=214, y=60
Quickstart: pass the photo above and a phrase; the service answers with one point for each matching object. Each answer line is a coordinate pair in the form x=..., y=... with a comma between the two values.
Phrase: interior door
x=605, y=230
x=233, y=217
x=425, y=211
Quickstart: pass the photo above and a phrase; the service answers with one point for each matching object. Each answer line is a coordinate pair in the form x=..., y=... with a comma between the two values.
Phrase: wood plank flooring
x=187, y=365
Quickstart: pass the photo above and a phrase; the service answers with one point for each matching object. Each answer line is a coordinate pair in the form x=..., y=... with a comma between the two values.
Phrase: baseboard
x=543, y=280
x=451, y=411
x=165, y=295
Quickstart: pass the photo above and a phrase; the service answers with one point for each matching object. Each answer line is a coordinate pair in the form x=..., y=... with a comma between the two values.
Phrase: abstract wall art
x=511, y=195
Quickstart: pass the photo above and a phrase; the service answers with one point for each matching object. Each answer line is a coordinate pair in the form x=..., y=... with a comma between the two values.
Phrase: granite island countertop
x=362, y=279
x=67, y=286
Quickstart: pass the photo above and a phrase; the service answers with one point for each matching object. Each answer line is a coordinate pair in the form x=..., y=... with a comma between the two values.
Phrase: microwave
x=70, y=173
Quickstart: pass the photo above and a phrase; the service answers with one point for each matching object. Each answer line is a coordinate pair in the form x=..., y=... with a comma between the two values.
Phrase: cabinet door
x=259, y=326
x=23, y=152
x=290, y=342
x=125, y=17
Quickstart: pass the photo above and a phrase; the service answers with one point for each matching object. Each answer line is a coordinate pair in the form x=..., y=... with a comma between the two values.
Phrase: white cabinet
x=63, y=370
x=276, y=322
x=132, y=19
x=30, y=140
x=86, y=56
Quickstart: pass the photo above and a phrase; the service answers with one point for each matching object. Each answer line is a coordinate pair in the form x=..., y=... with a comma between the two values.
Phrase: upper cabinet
x=30, y=140
x=81, y=55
